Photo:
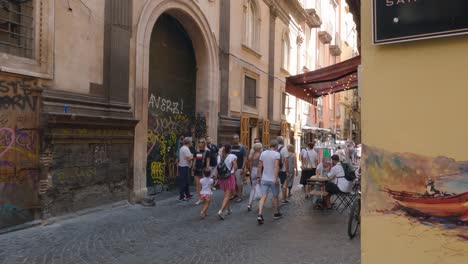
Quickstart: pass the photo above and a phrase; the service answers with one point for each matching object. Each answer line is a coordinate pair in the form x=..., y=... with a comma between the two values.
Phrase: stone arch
x=197, y=26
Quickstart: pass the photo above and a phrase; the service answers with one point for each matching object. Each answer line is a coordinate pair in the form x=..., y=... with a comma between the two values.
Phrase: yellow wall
x=415, y=94
x=414, y=99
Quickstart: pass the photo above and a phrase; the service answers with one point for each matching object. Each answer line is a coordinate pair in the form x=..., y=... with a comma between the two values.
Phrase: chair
x=346, y=200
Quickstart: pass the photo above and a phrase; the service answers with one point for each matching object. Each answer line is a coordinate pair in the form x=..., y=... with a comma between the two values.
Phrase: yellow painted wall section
x=415, y=94
x=414, y=100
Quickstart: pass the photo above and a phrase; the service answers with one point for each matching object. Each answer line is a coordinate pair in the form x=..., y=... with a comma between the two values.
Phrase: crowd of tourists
x=268, y=169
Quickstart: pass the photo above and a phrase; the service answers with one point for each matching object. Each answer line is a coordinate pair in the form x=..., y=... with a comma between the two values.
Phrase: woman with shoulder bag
x=227, y=182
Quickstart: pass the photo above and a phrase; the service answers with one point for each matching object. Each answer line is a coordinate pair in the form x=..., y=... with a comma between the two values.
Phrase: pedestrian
x=254, y=159
x=337, y=183
x=309, y=159
x=228, y=184
x=283, y=150
x=185, y=161
x=292, y=168
x=269, y=163
x=206, y=193
x=200, y=163
x=213, y=158
x=242, y=155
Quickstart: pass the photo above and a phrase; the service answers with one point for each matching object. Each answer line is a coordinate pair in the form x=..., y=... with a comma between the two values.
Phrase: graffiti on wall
x=429, y=193
x=19, y=141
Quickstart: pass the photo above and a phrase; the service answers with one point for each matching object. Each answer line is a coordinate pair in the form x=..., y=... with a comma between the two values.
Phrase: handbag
x=258, y=192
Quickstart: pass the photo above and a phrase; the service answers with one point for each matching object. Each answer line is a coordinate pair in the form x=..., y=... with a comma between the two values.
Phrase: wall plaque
x=406, y=20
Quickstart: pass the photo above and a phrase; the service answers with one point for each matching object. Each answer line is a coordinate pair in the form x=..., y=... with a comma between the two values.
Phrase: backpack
x=223, y=171
x=350, y=175
x=281, y=158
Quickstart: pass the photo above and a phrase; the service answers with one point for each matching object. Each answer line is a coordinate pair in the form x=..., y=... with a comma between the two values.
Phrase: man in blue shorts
x=269, y=162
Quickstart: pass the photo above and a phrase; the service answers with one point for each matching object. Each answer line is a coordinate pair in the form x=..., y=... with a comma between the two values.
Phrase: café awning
x=332, y=79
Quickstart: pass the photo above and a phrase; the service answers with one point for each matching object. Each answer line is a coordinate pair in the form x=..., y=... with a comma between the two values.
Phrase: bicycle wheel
x=354, y=219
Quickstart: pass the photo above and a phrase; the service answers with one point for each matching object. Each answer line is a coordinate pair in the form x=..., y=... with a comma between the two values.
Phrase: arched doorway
x=171, y=97
x=206, y=51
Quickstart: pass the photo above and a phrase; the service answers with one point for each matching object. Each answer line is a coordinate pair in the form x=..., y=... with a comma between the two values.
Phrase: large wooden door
x=245, y=131
x=171, y=97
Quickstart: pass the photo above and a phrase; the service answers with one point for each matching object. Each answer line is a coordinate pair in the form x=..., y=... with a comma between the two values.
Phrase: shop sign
x=406, y=20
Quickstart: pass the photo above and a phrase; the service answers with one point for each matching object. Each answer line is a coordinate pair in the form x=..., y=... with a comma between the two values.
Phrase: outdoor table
x=318, y=181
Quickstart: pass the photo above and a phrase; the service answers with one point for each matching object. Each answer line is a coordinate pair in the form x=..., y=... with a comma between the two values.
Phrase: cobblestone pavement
x=172, y=232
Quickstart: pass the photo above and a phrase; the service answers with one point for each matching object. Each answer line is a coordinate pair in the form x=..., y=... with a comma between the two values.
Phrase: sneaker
x=182, y=199
x=285, y=202
x=300, y=185
x=198, y=202
x=260, y=220
x=221, y=215
x=249, y=208
x=229, y=212
x=188, y=197
x=277, y=216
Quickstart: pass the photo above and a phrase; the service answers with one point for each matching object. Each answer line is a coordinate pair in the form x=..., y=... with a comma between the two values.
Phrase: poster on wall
x=407, y=20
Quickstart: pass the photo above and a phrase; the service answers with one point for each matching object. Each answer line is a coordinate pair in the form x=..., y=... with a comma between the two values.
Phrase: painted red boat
x=447, y=205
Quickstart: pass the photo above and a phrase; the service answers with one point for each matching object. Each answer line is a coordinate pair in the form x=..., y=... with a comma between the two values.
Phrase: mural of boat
x=448, y=206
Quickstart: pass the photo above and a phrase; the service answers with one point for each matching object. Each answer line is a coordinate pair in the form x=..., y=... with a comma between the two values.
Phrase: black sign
x=405, y=20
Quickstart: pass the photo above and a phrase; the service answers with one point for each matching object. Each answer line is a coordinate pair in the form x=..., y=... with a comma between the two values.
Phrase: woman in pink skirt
x=228, y=185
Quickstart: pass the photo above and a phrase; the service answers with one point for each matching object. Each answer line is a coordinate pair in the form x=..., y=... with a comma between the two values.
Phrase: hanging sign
x=406, y=20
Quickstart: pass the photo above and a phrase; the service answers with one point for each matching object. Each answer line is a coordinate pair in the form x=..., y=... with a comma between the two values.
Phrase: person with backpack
x=242, y=159
x=227, y=180
x=337, y=181
x=283, y=164
x=201, y=162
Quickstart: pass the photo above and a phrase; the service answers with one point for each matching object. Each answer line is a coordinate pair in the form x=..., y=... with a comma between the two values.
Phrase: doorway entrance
x=171, y=97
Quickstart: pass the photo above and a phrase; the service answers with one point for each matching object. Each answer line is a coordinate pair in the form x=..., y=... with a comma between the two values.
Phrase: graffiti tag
x=165, y=105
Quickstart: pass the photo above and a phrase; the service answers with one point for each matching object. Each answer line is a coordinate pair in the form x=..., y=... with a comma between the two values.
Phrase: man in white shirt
x=185, y=161
x=283, y=150
x=269, y=180
x=337, y=183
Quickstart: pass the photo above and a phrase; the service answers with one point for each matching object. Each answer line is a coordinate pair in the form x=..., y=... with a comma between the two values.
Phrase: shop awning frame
x=332, y=79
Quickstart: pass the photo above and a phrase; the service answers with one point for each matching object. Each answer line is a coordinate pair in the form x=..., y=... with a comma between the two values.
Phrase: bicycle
x=354, y=220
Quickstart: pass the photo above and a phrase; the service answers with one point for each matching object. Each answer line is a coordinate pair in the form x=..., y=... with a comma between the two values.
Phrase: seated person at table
x=337, y=182
x=321, y=167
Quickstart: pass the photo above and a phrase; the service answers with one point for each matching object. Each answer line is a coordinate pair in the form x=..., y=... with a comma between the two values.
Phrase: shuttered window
x=17, y=28
x=250, y=92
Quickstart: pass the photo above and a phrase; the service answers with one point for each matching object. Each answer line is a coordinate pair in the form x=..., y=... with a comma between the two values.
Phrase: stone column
x=271, y=60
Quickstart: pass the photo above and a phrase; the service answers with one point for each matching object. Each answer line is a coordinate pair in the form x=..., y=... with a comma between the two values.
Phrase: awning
x=332, y=79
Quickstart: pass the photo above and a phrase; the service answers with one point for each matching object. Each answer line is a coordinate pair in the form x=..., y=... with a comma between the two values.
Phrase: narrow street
x=172, y=232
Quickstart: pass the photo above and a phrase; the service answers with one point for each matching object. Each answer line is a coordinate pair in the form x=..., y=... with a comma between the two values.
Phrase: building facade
x=95, y=95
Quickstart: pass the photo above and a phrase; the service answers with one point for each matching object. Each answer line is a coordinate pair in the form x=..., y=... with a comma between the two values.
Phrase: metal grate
x=17, y=28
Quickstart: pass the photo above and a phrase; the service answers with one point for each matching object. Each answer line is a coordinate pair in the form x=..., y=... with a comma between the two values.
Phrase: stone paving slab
x=172, y=232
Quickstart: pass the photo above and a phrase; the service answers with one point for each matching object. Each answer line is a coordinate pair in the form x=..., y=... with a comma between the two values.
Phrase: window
x=250, y=91
x=285, y=103
x=251, y=24
x=285, y=51
x=17, y=28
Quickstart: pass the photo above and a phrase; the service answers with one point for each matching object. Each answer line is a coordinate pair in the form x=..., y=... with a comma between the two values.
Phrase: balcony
x=314, y=20
x=325, y=33
x=335, y=47
x=311, y=14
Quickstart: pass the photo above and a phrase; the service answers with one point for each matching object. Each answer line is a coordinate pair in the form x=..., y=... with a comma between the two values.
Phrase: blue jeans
x=270, y=185
x=183, y=182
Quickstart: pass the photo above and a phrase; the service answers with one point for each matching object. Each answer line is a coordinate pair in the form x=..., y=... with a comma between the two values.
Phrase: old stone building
x=95, y=95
